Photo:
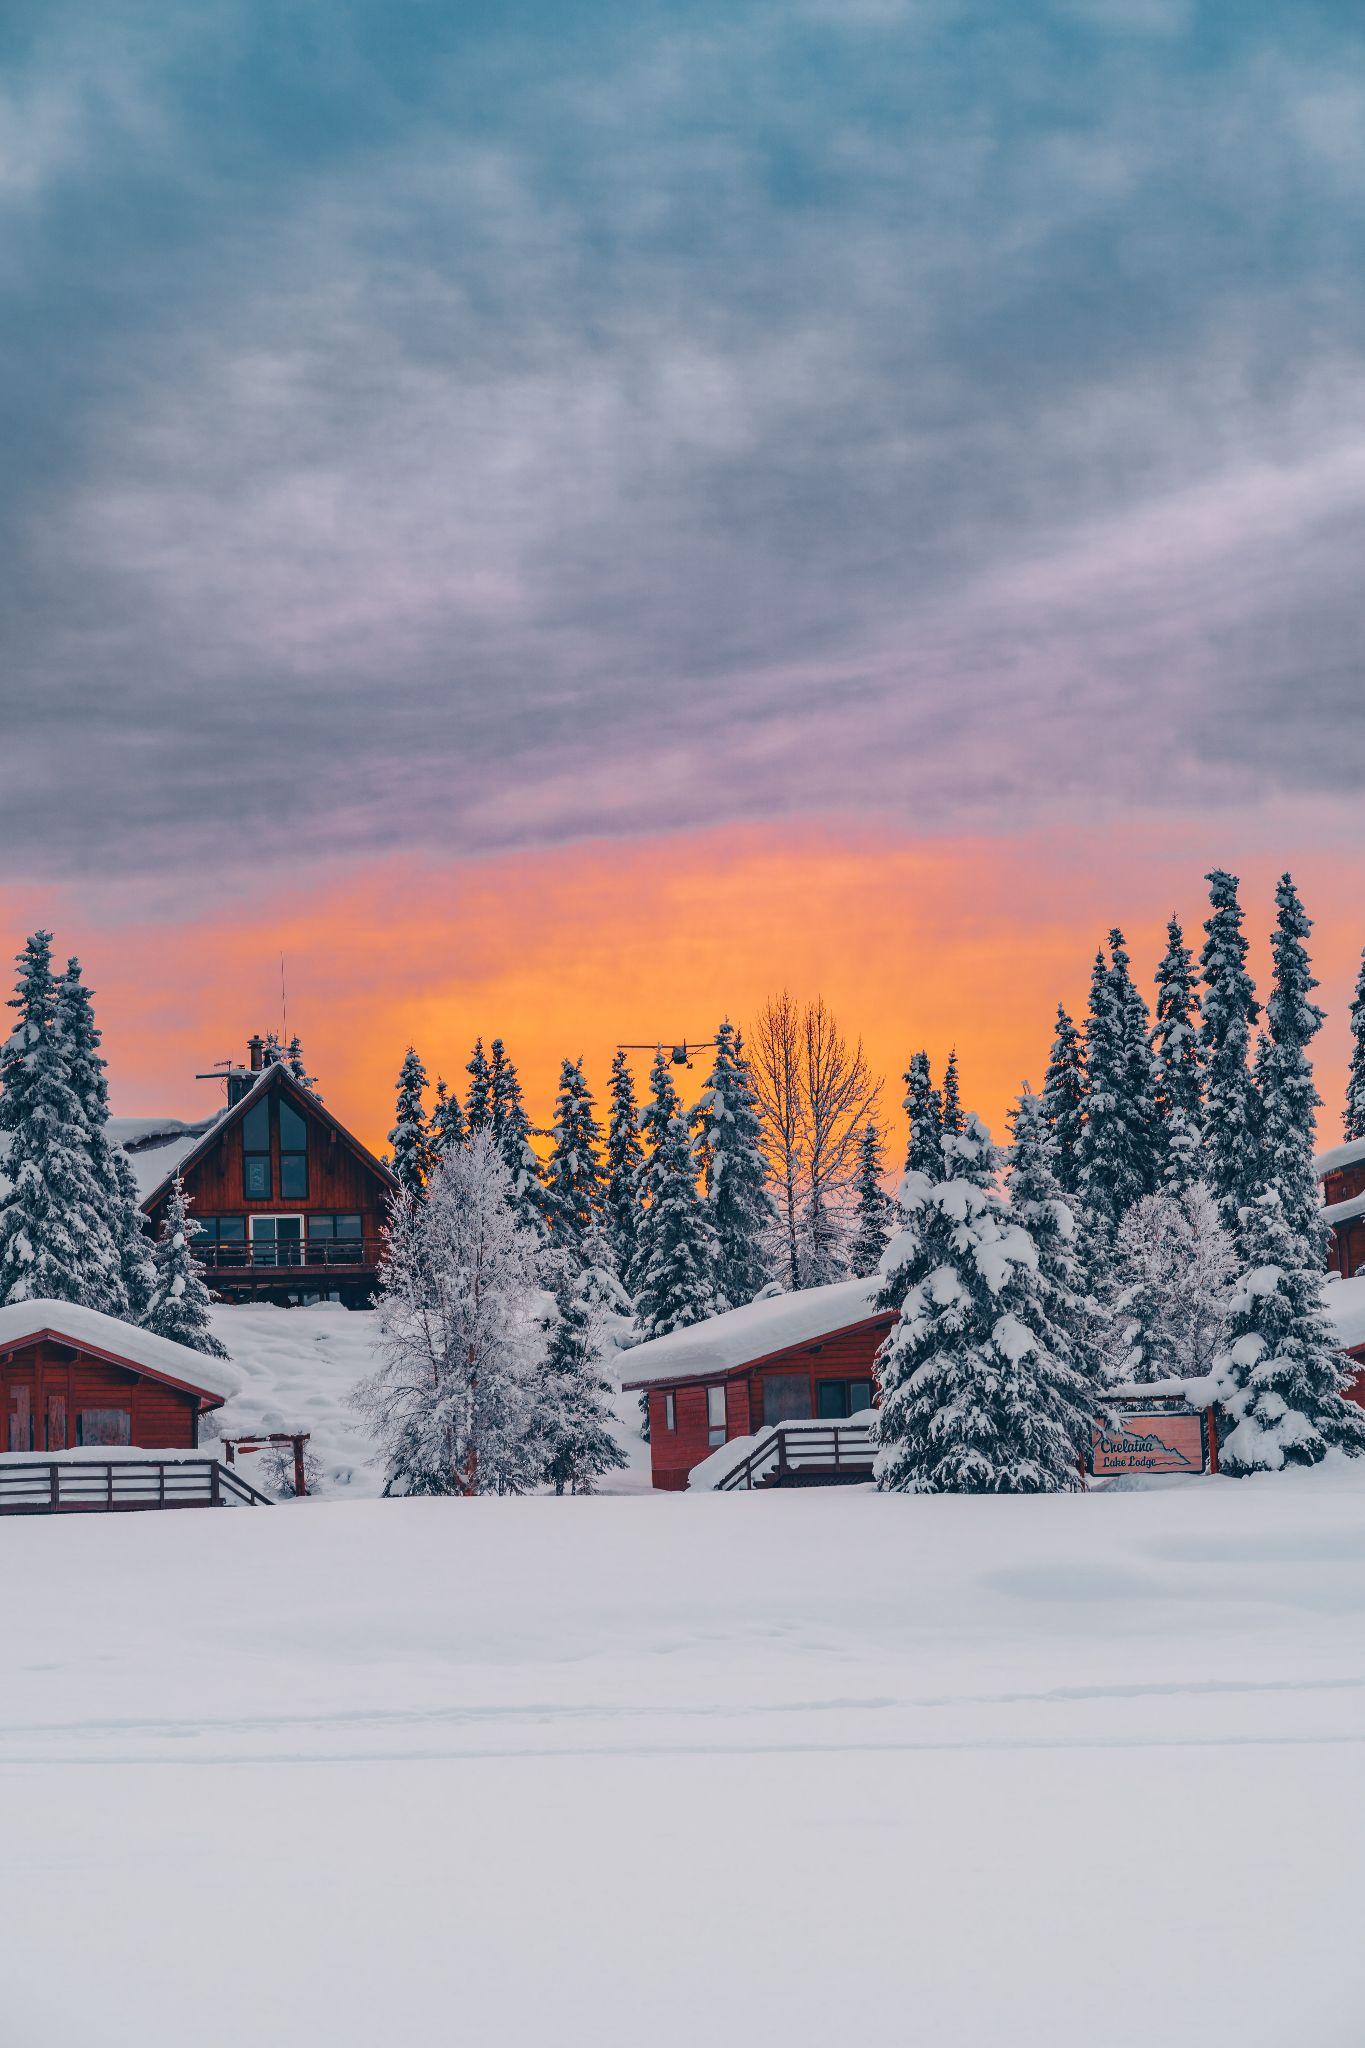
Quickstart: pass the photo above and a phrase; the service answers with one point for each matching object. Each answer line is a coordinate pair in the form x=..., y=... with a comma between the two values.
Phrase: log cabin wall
x=339, y=1181
x=47, y=1387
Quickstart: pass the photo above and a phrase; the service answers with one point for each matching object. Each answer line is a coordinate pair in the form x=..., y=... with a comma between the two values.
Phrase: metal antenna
x=284, y=1003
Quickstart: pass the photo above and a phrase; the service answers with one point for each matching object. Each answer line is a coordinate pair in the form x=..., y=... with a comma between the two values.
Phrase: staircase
x=803, y=1454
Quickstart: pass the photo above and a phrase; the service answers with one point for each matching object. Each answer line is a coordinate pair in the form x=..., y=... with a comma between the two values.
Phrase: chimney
x=255, y=1048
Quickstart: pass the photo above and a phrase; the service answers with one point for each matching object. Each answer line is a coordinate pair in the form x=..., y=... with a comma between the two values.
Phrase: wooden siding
x=161, y=1417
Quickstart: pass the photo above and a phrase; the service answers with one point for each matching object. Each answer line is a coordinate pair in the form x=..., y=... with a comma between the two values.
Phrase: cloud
x=490, y=435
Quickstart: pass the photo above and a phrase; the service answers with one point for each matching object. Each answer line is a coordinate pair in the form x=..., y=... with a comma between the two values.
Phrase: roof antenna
x=284, y=1004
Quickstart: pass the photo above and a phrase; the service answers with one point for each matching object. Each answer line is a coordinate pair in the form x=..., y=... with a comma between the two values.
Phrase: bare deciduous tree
x=815, y=1094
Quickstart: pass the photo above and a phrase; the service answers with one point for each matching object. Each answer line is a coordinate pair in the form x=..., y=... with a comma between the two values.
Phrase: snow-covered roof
x=1342, y=1212
x=1337, y=1156
x=725, y=1343
x=156, y=1145
x=1345, y=1300
x=159, y=1357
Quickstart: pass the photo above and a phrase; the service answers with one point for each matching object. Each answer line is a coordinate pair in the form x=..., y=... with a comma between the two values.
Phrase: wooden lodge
x=1342, y=1174
x=291, y=1206
x=794, y=1358
x=74, y=1379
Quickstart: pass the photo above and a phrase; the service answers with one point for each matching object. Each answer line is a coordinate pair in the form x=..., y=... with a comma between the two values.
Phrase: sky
x=564, y=518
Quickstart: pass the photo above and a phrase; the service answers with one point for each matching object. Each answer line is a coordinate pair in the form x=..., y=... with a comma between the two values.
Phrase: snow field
x=808, y=1766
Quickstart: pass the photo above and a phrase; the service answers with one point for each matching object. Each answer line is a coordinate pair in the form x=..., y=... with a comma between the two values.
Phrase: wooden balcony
x=323, y=1258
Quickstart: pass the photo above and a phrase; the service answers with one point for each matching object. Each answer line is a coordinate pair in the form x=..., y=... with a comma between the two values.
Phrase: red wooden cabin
x=796, y=1357
x=291, y=1206
x=71, y=1378
x=1342, y=1174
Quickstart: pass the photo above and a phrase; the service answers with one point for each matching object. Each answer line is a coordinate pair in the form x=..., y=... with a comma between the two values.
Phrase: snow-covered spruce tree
x=677, y=1254
x=113, y=1229
x=1064, y=1091
x=410, y=1137
x=1170, y=1287
x=459, y=1401
x=924, y=1112
x=954, y=1123
x=875, y=1210
x=1281, y=1401
x=625, y=1171
x=1353, y=1119
x=511, y=1128
x=1036, y=1200
x=479, y=1101
x=734, y=1174
x=1288, y=1099
x=578, y=1442
x=1231, y=1107
x=134, y=1240
x=1179, y=1073
x=975, y=1398
x=1117, y=1152
x=54, y=1241
x=448, y=1128
x=574, y=1181
x=298, y=1066
x=179, y=1304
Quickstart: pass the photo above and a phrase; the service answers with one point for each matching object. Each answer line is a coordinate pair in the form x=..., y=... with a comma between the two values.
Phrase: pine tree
x=1282, y=1400
x=574, y=1181
x=1353, y=1120
x=1231, y=1108
x=448, y=1128
x=479, y=1102
x=110, y=1230
x=953, y=1121
x=1117, y=1152
x=1288, y=1098
x=410, y=1137
x=924, y=1109
x=294, y=1060
x=1064, y=1092
x=1037, y=1202
x=1179, y=1076
x=511, y=1129
x=677, y=1252
x=54, y=1243
x=625, y=1171
x=179, y=1304
x=875, y=1207
x=136, y=1264
x=974, y=1399
x=579, y=1444
x=734, y=1175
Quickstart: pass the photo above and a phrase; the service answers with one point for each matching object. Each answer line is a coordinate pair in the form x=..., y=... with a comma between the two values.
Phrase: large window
x=786, y=1397
x=335, y=1240
x=715, y=1416
x=104, y=1426
x=836, y=1398
x=256, y=1184
x=293, y=1154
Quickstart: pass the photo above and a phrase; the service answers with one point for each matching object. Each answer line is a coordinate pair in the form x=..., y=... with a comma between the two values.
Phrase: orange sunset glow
x=970, y=942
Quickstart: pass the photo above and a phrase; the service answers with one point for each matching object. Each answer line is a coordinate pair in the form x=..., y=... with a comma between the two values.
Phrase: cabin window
x=837, y=1398
x=335, y=1240
x=786, y=1397
x=293, y=1154
x=715, y=1415
x=104, y=1426
x=670, y=1411
x=256, y=1153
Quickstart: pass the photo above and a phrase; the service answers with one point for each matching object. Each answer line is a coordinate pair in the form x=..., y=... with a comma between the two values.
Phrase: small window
x=715, y=1415
x=831, y=1399
x=231, y=1229
x=322, y=1226
x=860, y=1396
x=670, y=1411
x=104, y=1426
x=348, y=1226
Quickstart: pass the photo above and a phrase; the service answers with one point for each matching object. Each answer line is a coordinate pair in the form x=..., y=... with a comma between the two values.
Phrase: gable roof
x=746, y=1336
x=273, y=1076
x=156, y=1144
x=1337, y=1156
x=119, y=1343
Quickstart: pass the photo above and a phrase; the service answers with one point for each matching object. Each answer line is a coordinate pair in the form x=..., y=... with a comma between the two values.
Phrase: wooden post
x=109, y=1484
x=54, y=1484
x=1212, y=1425
x=300, y=1482
x=215, y=1485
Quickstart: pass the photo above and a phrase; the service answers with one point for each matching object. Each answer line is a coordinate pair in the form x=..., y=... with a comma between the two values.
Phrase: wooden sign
x=1149, y=1443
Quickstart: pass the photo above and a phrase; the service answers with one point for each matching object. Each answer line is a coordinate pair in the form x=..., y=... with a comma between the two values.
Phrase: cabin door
x=277, y=1240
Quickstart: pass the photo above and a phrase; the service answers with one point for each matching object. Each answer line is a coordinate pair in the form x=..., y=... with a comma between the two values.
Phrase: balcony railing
x=275, y=1255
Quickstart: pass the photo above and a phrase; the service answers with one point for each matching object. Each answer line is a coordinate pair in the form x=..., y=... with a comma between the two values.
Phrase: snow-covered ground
x=808, y=1767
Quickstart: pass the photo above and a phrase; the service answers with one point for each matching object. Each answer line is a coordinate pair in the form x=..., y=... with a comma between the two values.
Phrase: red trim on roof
x=885, y=1316
x=204, y=1395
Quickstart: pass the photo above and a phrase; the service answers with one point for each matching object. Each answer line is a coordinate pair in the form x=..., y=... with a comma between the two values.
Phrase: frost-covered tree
x=1281, y=1401
x=734, y=1173
x=1038, y=1202
x=511, y=1128
x=54, y=1240
x=113, y=1228
x=298, y=1066
x=1064, y=1101
x=1353, y=1119
x=1231, y=1108
x=677, y=1254
x=875, y=1211
x=1179, y=1073
x=459, y=1401
x=410, y=1136
x=179, y=1303
x=574, y=1180
x=479, y=1101
x=625, y=1171
x=1288, y=1098
x=1117, y=1151
x=954, y=1123
x=448, y=1128
x=924, y=1114
x=1171, y=1287
x=579, y=1444
x=135, y=1244
x=975, y=1396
